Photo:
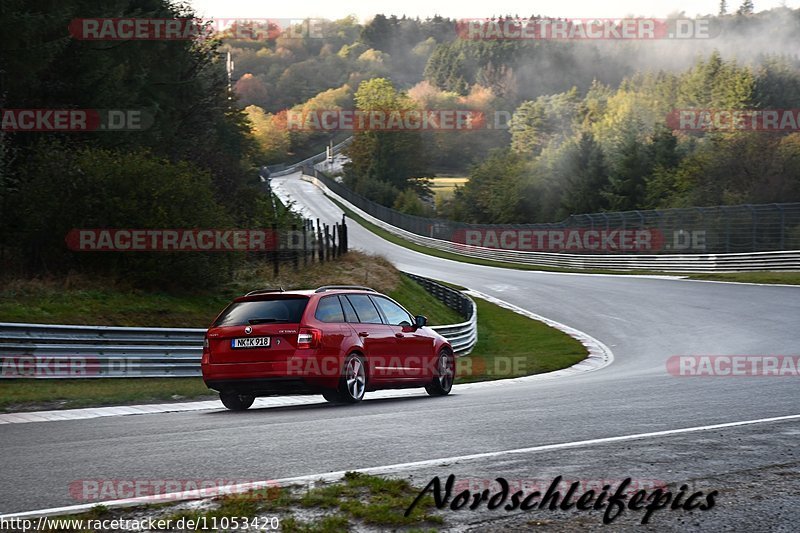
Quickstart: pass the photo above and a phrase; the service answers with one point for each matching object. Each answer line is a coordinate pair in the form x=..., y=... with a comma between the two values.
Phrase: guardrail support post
x=320, y=243
x=275, y=253
x=294, y=246
x=305, y=242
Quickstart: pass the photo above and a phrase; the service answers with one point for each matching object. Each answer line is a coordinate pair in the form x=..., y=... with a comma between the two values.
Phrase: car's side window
x=395, y=315
x=367, y=313
x=329, y=310
x=349, y=313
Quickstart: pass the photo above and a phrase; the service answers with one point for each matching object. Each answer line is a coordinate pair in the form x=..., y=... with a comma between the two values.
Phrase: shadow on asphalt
x=325, y=405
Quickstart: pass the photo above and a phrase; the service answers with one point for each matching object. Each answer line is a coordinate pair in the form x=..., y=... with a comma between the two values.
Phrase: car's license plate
x=250, y=342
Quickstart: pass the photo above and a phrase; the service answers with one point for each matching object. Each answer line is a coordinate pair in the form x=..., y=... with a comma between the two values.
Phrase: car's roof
x=266, y=295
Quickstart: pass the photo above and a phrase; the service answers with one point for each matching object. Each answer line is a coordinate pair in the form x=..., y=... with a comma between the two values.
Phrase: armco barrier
x=61, y=351
x=678, y=263
x=691, y=230
x=286, y=170
x=463, y=336
x=65, y=351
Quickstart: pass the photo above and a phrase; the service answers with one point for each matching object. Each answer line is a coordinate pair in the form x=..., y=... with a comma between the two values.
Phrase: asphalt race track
x=643, y=320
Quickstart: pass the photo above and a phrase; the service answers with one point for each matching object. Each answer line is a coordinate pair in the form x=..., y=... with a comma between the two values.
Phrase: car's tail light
x=206, y=351
x=308, y=338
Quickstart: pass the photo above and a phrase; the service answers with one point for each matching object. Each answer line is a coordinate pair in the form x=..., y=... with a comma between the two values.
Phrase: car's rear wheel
x=236, y=402
x=352, y=384
x=442, y=382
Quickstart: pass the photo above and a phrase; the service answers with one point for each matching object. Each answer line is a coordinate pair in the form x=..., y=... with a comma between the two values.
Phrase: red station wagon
x=338, y=341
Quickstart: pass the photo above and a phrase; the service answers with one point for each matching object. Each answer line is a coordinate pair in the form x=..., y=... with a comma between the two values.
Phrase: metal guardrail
x=722, y=229
x=286, y=170
x=65, y=351
x=463, y=336
x=677, y=263
x=61, y=351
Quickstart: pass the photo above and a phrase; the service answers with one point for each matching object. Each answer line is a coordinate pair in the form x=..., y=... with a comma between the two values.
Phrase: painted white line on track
x=377, y=470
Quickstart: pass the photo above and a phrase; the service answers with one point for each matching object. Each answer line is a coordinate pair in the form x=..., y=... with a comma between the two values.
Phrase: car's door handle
x=399, y=335
x=363, y=334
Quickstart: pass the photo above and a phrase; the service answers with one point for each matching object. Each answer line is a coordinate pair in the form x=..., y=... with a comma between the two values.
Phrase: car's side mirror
x=420, y=321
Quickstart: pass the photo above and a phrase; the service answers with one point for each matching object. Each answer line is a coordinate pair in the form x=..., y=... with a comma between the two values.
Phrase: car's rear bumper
x=295, y=375
x=264, y=386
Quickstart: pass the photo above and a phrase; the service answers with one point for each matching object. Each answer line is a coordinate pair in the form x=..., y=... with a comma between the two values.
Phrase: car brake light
x=308, y=338
x=206, y=351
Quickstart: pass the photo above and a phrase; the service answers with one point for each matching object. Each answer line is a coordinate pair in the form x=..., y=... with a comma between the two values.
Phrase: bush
x=90, y=188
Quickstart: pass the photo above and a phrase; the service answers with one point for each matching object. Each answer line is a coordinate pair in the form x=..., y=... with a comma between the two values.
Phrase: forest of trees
x=193, y=167
x=585, y=126
x=589, y=125
x=612, y=149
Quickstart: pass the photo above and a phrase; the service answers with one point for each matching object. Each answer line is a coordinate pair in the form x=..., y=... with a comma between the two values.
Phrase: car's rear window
x=279, y=310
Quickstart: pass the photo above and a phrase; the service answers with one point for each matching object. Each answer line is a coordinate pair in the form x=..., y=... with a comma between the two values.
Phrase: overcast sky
x=464, y=9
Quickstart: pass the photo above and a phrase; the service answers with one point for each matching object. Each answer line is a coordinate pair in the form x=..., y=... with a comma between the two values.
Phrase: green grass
x=357, y=500
x=790, y=278
x=245, y=505
x=511, y=345
x=443, y=187
x=786, y=278
x=372, y=500
x=418, y=302
x=109, y=306
x=37, y=394
x=104, y=304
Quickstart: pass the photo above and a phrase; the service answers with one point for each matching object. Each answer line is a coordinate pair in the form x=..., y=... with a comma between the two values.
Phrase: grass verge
x=358, y=502
x=789, y=278
x=770, y=278
x=104, y=302
x=511, y=345
x=17, y=395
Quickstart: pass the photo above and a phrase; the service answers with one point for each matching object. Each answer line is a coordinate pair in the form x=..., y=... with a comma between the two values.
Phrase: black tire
x=353, y=382
x=236, y=402
x=442, y=382
x=332, y=396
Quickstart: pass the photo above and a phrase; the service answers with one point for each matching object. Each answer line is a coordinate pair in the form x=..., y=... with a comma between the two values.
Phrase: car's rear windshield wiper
x=266, y=320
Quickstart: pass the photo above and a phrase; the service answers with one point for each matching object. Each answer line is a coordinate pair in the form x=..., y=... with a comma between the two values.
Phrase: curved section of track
x=643, y=320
